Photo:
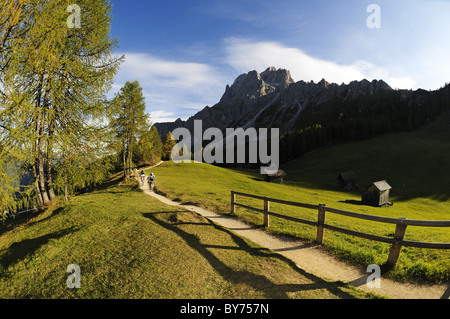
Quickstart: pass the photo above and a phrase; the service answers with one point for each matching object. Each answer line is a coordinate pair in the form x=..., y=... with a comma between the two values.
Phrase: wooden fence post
x=320, y=222
x=396, y=247
x=233, y=199
x=266, y=215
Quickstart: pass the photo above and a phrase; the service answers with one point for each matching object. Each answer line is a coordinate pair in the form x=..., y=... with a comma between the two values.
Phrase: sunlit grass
x=130, y=245
x=415, y=164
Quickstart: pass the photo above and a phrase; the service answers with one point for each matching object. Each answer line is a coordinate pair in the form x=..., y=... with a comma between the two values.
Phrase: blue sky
x=184, y=52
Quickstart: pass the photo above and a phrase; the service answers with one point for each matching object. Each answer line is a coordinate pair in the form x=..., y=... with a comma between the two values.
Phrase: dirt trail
x=314, y=260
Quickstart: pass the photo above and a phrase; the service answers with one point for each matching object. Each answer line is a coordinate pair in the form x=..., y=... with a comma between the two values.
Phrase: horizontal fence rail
x=397, y=242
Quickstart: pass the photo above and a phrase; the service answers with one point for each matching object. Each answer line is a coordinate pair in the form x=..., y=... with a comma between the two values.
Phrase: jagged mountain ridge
x=274, y=99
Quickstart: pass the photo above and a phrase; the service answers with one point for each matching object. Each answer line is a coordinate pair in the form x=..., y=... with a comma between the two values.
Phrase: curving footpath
x=313, y=259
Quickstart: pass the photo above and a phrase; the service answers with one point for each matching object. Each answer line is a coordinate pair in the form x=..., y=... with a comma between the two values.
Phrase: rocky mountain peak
x=366, y=87
x=277, y=78
x=247, y=85
x=323, y=83
x=253, y=84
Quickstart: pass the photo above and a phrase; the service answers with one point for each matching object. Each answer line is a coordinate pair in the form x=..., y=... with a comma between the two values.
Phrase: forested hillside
x=363, y=117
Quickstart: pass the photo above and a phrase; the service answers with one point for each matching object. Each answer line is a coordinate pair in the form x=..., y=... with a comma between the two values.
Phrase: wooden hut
x=377, y=194
x=276, y=177
x=347, y=180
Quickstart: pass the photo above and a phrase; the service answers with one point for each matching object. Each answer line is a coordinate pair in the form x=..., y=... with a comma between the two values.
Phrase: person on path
x=142, y=177
x=151, y=180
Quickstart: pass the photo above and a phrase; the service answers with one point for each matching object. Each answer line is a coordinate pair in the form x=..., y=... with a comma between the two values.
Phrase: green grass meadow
x=416, y=165
x=129, y=245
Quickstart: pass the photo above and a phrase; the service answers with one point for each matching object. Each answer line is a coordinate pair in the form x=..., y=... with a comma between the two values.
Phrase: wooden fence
x=400, y=229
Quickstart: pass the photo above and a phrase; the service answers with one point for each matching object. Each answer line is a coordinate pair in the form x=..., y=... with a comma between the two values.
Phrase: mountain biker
x=142, y=177
x=151, y=180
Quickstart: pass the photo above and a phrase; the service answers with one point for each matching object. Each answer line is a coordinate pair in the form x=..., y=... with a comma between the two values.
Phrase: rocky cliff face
x=272, y=99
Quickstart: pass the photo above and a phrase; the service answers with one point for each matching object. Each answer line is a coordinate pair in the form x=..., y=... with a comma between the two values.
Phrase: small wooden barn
x=377, y=194
x=277, y=177
x=347, y=180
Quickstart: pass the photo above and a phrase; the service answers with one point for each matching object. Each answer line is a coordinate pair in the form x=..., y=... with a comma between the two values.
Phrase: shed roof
x=382, y=185
x=347, y=176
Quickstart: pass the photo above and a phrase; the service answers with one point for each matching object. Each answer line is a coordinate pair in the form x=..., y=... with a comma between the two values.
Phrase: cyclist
x=151, y=180
x=142, y=177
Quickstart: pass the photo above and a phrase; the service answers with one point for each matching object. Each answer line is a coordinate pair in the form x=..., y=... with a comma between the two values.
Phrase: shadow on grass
x=23, y=219
x=113, y=180
x=257, y=281
x=27, y=247
x=11, y=223
x=53, y=214
x=108, y=185
x=353, y=202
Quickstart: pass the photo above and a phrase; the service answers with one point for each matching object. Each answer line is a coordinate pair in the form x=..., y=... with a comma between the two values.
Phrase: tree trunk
x=36, y=185
x=124, y=160
x=130, y=156
x=49, y=163
x=40, y=159
x=35, y=165
x=41, y=173
x=51, y=191
x=66, y=187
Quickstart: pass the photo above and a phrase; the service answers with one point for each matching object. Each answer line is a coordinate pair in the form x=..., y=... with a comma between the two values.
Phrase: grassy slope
x=416, y=164
x=129, y=245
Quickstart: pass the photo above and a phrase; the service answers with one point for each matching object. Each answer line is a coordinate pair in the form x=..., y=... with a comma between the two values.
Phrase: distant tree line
x=364, y=117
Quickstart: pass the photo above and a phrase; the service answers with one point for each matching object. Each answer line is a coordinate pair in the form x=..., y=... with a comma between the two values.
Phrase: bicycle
x=151, y=181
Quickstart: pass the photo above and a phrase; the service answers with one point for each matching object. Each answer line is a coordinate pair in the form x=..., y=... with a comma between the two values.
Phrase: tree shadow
x=108, y=184
x=20, y=250
x=21, y=219
x=113, y=180
x=11, y=223
x=25, y=219
x=53, y=214
x=257, y=281
x=446, y=294
x=354, y=202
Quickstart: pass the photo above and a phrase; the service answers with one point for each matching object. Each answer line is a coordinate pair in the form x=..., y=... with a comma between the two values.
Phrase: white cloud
x=162, y=116
x=372, y=71
x=404, y=82
x=181, y=75
x=171, y=87
x=245, y=55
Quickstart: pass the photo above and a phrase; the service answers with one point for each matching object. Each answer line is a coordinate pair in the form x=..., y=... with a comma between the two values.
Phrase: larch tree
x=55, y=77
x=168, y=145
x=128, y=120
x=149, y=147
